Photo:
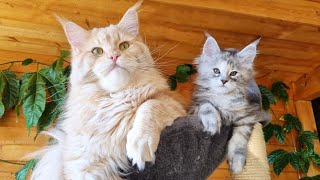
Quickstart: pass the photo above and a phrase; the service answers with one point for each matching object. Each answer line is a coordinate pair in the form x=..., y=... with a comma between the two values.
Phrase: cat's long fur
x=221, y=98
x=114, y=109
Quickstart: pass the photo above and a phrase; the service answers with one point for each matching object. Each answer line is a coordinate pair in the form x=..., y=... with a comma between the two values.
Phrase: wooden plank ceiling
x=290, y=29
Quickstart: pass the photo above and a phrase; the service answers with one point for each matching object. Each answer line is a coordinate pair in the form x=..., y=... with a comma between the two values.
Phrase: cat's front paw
x=236, y=163
x=141, y=147
x=210, y=125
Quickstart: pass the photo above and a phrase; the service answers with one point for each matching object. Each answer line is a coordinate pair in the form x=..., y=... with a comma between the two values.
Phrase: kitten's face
x=111, y=56
x=225, y=70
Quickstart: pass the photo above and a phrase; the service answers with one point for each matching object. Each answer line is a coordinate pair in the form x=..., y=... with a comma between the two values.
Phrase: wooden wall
x=289, y=49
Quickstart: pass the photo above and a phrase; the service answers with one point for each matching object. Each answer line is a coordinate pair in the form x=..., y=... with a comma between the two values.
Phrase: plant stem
x=12, y=62
x=11, y=66
x=273, y=113
x=9, y=162
x=66, y=61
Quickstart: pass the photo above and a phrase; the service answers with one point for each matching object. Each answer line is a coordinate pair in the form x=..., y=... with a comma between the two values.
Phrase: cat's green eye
x=233, y=73
x=216, y=70
x=97, y=51
x=124, y=45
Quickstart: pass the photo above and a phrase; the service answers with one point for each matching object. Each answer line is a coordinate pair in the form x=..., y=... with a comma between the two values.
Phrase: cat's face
x=225, y=70
x=113, y=56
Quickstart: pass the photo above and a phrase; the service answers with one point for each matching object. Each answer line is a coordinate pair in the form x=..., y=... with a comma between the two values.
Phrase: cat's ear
x=210, y=47
x=76, y=35
x=130, y=21
x=248, y=53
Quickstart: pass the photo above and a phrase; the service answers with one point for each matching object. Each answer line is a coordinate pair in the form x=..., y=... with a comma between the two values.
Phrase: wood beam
x=306, y=116
x=307, y=87
x=303, y=12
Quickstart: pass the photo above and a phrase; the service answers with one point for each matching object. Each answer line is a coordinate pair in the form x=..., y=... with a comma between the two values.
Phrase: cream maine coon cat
x=118, y=104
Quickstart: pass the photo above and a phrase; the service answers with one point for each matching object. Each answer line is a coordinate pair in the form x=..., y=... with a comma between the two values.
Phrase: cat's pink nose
x=114, y=57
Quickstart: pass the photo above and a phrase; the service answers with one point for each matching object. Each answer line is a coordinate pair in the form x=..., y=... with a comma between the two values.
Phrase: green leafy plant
x=301, y=156
x=41, y=94
x=182, y=75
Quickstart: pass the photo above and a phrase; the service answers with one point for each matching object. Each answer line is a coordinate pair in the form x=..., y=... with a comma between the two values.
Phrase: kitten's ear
x=76, y=35
x=130, y=21
x=248, y=53
x=210, y=47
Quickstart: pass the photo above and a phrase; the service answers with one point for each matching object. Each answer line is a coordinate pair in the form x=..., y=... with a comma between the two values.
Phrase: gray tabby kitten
x=226, y=94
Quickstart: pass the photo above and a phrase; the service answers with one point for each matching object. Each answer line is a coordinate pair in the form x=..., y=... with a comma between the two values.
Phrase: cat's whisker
x=167, y=52
x=58, y=105
x=64, y=82
x=56, y=93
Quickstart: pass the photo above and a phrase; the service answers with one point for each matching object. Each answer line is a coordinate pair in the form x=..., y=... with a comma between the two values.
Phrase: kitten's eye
x=233, y=73
x=216, y=70
x=124, y=45
x=97, y=51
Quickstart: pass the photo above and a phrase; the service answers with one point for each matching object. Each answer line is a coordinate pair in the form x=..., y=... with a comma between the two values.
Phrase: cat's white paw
x=236, y=163
x=210, y=125
x=141, y=147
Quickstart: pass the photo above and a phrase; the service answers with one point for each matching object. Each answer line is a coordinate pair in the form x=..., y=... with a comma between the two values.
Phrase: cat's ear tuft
x=210, y=47
x=76, y=35
x=248, y=53
x=130, y=21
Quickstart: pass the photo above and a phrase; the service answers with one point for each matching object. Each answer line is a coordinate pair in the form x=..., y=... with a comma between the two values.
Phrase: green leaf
x=2, y=86
x=182, y=73
x=275, y=154
x=35, y=99
x=294, y=160
x=280, y=159
x=317, y=177
x=56, y=69
x=279, y=89
x=304, y=163
x=26, y=81
x=291, y=122
x=23, y=172
x=277, y=130
x=268, y=132
x=56, y=86
x=67, y=71
x=26, y=62
x=64, y=54
x=267, y=97
x=305, y=139
x=11, y=90
x=172, y=82
x=193, y=69
x=315, y=158
x=50, y=113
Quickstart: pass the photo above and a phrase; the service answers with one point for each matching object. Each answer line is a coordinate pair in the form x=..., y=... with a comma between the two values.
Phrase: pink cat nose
x=114, y=57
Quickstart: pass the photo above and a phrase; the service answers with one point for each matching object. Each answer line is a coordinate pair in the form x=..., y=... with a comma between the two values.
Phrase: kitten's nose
x=224, y=81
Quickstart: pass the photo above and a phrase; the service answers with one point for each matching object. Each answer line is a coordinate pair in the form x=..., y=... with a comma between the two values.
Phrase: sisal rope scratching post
x=257, y=167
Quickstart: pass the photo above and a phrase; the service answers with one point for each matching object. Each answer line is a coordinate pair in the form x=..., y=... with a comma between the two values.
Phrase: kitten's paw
x=141, y=147
x=210, y=126
x=236, y=163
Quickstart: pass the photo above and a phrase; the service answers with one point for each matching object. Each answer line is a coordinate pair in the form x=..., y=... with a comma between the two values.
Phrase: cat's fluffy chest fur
x=231, y=105
x=98, y=132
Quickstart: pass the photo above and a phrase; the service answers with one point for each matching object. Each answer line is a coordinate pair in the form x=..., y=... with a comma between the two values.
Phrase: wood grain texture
x=307, y=87
x=289, y=49
x=306, y=116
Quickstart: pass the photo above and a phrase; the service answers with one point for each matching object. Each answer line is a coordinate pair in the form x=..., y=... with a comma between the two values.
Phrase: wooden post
x=305, y=114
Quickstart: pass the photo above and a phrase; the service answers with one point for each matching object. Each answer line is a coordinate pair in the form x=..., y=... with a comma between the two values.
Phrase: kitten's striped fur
x=221, y=98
